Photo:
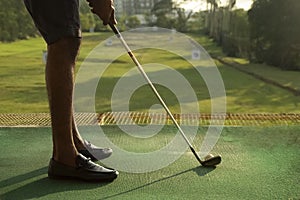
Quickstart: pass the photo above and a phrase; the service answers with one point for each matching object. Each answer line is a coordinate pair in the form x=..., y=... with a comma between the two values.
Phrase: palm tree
x=214, y=4
x=231, y=4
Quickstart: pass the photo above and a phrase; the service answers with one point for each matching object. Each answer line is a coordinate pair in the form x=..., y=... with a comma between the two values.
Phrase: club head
x=212, y=162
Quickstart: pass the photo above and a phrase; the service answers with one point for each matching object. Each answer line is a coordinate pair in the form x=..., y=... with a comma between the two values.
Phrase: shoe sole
x=60, y=177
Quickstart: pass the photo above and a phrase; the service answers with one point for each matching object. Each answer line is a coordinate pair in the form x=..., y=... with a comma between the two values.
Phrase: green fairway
x=285, y=78
x=23, y=85
x=258, y=163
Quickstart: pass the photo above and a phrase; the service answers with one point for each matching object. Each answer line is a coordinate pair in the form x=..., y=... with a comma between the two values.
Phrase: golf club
x=210, y=160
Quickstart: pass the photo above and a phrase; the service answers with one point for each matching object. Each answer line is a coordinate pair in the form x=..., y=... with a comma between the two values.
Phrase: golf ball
x=208, y=156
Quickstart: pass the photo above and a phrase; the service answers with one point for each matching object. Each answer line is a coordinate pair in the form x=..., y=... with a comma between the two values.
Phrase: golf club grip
x=114, y=28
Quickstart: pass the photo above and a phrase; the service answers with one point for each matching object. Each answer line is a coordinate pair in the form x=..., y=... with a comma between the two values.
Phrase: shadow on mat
x=200, y=171
x=42, y=186
x=22, y=177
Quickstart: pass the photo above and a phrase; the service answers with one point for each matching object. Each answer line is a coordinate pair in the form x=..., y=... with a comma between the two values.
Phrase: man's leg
x=66, y=161
x=60, y=83
x=78, y=141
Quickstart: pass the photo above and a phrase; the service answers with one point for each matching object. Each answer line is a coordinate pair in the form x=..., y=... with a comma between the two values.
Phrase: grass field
x=22, y=80
x=285, y=78
x=258, y=163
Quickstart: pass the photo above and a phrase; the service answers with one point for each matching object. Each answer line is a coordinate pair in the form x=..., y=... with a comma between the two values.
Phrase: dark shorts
x=55, y=19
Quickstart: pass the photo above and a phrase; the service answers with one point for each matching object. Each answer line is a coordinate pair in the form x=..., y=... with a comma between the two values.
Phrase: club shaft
x=153, y=88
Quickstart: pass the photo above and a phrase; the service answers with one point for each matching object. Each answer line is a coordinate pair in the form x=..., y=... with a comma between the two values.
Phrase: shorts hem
x=52, y=38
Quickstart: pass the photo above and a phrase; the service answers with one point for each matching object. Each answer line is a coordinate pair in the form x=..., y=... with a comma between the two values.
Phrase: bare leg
x=60, y=83
x=78, y=141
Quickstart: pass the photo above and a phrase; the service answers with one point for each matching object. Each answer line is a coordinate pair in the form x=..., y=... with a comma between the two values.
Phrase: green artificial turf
x=258, y=163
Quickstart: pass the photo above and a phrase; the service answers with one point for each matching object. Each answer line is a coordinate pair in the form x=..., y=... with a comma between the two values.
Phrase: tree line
x=267, y=33
x=16, y=23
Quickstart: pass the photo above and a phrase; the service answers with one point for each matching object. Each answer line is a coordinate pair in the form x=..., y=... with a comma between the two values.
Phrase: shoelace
x=91, y=147
x=89, y=144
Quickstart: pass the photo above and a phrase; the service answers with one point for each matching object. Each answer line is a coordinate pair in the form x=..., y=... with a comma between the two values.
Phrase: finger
x=112, y=18
x=105, y=21
x=109, y=16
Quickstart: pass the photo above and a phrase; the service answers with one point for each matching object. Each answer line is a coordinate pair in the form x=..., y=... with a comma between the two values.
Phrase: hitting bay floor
x=258, y=163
